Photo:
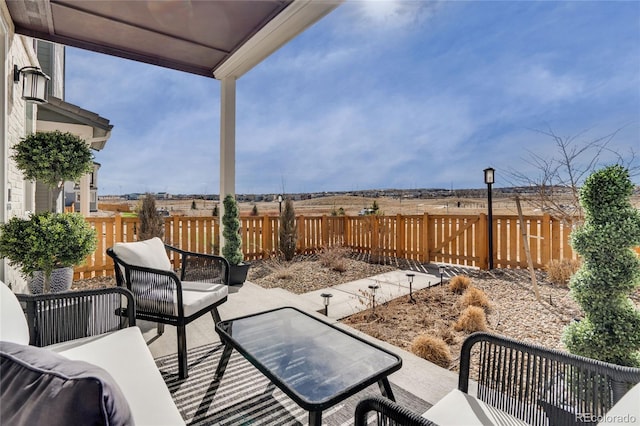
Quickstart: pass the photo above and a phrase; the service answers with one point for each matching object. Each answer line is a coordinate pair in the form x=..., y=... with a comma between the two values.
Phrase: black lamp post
x=326, y=297
x=410, y=277
x=489, y=179
x=441, y=271
x=280, y=203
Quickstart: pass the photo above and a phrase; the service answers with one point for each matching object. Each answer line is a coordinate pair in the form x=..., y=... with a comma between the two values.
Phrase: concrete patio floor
x=417, y=376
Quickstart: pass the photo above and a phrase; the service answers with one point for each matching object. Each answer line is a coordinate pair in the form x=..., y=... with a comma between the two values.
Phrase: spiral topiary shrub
x=610, y=271
x=232, y=249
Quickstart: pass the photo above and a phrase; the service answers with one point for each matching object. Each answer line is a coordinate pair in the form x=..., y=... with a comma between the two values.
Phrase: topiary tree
x=610, y=271
x=232, y=249
x=288, y=232
x=151, y=223
x=53, y=158
x=46, y=241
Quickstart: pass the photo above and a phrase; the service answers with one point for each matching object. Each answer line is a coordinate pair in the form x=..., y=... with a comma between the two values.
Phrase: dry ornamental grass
x=459, y=284
x=472, y=319
x=560, y=271
x=475, y=297
x=432, y=349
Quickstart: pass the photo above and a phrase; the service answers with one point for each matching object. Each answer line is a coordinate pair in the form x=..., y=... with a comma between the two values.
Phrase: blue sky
x=404, y=94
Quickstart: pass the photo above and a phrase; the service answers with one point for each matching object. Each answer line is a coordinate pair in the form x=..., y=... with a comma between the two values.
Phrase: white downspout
x=85, y=194
x=227, y=143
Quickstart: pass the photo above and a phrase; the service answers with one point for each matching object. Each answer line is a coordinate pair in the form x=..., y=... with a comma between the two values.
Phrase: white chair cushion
x=13, y=324
x=148, y=253
x=626, y=411
x=459, y=408
x=198, y=295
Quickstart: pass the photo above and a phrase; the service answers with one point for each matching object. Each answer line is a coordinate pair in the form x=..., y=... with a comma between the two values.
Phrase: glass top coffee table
x=315, y=363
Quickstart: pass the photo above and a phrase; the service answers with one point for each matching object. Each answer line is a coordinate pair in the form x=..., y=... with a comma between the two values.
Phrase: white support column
x=85, y=194
x=227, y=142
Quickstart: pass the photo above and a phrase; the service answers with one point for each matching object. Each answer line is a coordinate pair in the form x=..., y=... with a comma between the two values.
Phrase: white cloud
x=543, y=85
x=376, y=94
x=385, y=15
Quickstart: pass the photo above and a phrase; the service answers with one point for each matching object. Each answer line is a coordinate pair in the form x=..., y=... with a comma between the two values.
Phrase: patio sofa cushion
x=13, y=324
x=148, y=253
x=459, y=408
x=626, y=411
x=125, y=355
x=42, y=387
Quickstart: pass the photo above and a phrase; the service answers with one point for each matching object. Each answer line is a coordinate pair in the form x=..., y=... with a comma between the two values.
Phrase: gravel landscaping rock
x=514, y=310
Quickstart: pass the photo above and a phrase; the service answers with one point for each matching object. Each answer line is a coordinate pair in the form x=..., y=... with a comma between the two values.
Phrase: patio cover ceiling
x=217, y=38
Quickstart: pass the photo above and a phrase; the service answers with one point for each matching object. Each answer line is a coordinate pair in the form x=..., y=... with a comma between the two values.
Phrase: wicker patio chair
x=60, y=317
x=536, y=384
x=164, y=297
x=387, y=413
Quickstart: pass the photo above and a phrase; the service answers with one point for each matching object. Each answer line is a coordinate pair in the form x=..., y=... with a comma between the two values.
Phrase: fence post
x=301, y=240
x=567, y=250
x=267, y=237
x=481, y=238
x=546, y=241
x=426, y=250
x=375, y=239
x=346, y=239
x=555, y=239
x=118, y=231
x=325, y=232
x=401, y=239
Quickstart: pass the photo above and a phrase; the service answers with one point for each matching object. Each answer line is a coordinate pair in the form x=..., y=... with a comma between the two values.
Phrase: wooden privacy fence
x=453, y=239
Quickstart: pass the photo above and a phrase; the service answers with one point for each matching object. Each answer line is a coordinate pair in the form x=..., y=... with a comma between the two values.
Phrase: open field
x=351, y=205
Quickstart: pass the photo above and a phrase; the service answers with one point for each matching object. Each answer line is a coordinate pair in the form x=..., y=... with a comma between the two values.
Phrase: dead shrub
x=459, y=284
x=472, y=319
x=334, y=258
x=475, y=297
x=560, y=271
x=448, y=335
x=280, y=269
x=432, y=349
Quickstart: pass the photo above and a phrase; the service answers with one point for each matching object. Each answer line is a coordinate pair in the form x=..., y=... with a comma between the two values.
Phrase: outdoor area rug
x=245, y=397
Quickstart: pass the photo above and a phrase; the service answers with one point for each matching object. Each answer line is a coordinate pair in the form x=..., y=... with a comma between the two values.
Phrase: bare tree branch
x=555, y=189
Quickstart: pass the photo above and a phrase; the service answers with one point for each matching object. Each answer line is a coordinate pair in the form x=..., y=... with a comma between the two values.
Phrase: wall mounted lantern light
x=34, y=83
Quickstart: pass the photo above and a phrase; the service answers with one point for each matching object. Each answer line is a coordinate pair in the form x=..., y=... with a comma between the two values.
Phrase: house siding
x=18, y=120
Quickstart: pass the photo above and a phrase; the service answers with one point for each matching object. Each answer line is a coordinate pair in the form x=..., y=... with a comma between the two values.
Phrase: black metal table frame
x=315, y=410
